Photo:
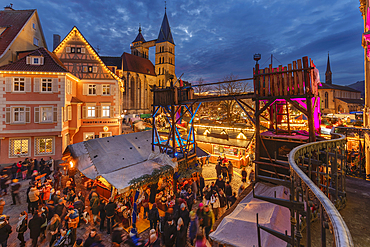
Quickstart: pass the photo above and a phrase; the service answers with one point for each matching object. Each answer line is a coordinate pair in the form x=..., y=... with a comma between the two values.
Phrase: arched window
x=138, y=101
x=132, y=93
x=163, y=71
x=326, y=104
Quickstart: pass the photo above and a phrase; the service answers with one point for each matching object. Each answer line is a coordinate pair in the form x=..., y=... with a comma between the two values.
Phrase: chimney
x=9, y=7
x=56, y=40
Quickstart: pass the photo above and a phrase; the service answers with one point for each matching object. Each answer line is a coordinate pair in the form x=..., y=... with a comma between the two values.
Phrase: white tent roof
x=118, y=159
x=240, y=229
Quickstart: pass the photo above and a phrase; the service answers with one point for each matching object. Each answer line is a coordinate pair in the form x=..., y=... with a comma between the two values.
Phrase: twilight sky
x=215, y=38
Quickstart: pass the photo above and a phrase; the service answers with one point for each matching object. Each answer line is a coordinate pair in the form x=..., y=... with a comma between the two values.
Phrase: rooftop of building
x=112, y=61
x=51, y=63
x=137, y=64
x=337, y=87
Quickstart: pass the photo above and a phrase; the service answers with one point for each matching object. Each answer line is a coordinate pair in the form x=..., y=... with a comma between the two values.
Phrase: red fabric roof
x=137, y=64
x=13, y=20
x=51, y=63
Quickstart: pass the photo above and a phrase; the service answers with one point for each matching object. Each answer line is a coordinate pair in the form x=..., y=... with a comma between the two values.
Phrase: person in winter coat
x=102, y=214
x=60, y=209
x=61, y=238
x=153, y=241
x=14, y=187
x=228, y=193
x=230, y=170
x=22, y=227
x=193, y=229
x=215, y=202
x=94, y=204
x=46, y=192
x=92, y=238
x=223, y=201
x=5, y=230
x=201, y=185
x=153, y=216
x=55, y=197
x=184, y=214
x=35, y=227
x=153, y=192
x=244, y=175
x=33, y=195
x=169, y=233
x=72, y=218
x=110, y=210
x=53, y=229
x=51, y=209
x=117, y=234
x=181, y=233
x=208, y=220
x=220, y=183
x=218, y=169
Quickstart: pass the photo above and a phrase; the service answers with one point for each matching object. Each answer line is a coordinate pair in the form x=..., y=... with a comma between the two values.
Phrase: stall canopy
x=239, y=228
x=118, y=159
x=202, y=153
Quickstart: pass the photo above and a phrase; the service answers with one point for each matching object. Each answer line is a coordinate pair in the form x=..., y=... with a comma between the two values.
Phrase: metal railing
x=317, y=172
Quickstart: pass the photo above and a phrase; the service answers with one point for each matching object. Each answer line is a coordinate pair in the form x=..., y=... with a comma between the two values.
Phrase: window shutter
x=28, y=60
x=28, y=115
x=68, y=49
x=85, y=89
x=83, y=50
x=55, y=114
x=111, y=114
x=99, y=89
x=37, y=114
x=36, y=85
x=41, y=60
x=55, y=85
x=97, y=111
x=7, y=115
x=69, y=112
x=84, y=112
x=28, y=84
x=8, y=84
x=62, y=113
x=95, y=69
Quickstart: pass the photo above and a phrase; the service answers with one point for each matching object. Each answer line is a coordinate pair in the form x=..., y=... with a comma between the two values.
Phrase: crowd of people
x=57, y=208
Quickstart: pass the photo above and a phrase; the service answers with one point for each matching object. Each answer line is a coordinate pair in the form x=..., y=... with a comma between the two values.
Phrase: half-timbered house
x=95, y=103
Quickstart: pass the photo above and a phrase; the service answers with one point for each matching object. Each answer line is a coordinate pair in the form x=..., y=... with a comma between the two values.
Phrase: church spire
x=328, y=73
x=139, y=36
x=165, y=31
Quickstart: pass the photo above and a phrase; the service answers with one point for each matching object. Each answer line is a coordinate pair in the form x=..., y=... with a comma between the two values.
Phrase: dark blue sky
x=215, y=38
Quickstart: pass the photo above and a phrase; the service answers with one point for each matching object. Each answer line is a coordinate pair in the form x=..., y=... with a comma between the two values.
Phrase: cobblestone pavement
x=13, y=211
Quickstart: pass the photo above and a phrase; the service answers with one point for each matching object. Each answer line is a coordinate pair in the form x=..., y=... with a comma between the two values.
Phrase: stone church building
x=138, y=72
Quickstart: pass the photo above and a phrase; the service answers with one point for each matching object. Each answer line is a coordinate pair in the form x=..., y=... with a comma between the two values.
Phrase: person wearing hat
x=220, y=183
x=208, y=220
x=5, y=230
x=181, y=233
x=110, y=211
x=72, y=218
x=184, y=214
x=14, y=187
x=169, y=233
x=193, y=229
x=22, y=227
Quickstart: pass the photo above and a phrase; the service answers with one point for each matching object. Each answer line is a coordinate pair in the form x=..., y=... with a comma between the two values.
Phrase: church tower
x=137, y=47
x=328, y=73
x=165, y=54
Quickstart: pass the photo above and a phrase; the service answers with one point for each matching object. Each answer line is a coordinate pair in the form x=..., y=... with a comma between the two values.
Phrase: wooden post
x=257, y=117
x=309, y=96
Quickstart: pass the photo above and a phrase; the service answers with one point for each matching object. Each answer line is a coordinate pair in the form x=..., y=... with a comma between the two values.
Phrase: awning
x=239, y=228
x=145, y=115
x=202, y=153
x=118, y=159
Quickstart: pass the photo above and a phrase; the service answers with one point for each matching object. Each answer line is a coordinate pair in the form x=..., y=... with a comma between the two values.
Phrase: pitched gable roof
x=13, y=21
x=165, y=31
x=51, y=63
x=137, y=64
x=338, y=87
x=88, y=46
x=112, y=61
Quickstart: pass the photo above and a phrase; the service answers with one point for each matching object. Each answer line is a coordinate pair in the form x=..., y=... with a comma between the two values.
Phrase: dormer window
x=35, y=60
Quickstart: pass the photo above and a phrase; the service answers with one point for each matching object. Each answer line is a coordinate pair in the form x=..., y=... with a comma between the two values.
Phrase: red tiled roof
x=51, y=63
x=13, y=21
x=137, y=64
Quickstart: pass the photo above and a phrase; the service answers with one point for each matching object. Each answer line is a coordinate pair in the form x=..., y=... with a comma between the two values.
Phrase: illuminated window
x=105, y=111
x=73, y=49
x=92, y=89
x=44, y=145
x=78, y=50
x=106, y=89
x=91, y=111
x=18, y=85
x=46, y=85
x=88, y=136
x=105, y=134
x=46, y=114
x=19, y=147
